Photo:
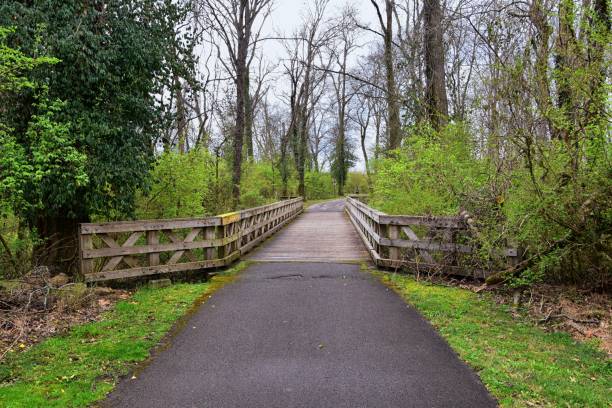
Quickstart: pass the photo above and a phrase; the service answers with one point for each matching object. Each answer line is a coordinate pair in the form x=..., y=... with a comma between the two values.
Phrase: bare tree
x=235, y=23
x=345, y=45
x=386, y=26
x=303, y=49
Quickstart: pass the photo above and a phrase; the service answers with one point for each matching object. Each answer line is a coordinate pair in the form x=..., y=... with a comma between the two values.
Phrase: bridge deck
x=322, y=234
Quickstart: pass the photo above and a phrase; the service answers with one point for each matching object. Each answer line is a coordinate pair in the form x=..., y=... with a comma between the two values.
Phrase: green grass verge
x=82, y=366
x=519, y=363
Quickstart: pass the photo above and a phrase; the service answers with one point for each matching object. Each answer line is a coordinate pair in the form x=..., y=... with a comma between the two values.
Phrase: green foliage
x=554, y=203
x=428, y=174
x=39, y=167
x=520, y=364
x=109, y=67
x=195, y=184
x=319, y=185
x=564, y=219
x=260, y=184
x=180, y=184
x=356, y=183
x=343, y=159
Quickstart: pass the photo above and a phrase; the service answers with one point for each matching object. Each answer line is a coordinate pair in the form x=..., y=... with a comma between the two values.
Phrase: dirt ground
x=584, y=314
x=38, y=306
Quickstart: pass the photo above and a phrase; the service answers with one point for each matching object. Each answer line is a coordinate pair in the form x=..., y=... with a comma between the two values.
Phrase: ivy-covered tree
x=342, y=160
x=114, y=59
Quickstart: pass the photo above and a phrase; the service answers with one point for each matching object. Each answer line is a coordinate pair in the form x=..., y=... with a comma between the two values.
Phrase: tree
x=435, y=90
x=393, y=119
x=343, y=159
x=113, y=58
x=234, y=21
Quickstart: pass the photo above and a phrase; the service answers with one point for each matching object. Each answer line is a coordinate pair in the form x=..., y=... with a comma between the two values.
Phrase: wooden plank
x=413, y=237
x=85, y=243
x=147, y=225
x=393, y=232
x=367, y=220
x=437, y=222
x=314, y=235
x=151, y=270
x=177, y=240
x=373, y=254
x=426, y=245
x=147, y=249
x=113, y=262
x=269, y=207
x=376, y=237
x=152, y=240
x=246, y=248
x=209, y=235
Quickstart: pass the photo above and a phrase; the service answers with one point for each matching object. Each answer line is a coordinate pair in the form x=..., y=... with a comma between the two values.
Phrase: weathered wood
x=113, y=262
x=85, y=244
x=393, y=241
x=413, y=237
x=321, y=234
x=156, y=248
x=152, y=270
x=147, y=225
x=381, y=233
x=194, y=243
x=152, y=241
x=209, y=235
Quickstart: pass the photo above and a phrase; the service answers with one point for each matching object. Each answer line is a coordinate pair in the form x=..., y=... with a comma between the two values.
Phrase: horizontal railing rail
x=125, y=249
x=428, y=244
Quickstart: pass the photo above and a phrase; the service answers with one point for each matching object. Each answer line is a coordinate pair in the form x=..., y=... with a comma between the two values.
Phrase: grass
x=519, y=363
x=83, y=366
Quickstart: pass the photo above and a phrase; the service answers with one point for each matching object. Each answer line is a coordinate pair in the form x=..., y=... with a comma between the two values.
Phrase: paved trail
x=299, y=334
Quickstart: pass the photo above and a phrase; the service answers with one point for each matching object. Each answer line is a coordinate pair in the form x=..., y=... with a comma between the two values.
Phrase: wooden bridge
x=303, y=326
x=322, y=233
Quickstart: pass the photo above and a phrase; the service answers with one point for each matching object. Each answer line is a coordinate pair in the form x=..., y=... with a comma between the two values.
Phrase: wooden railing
x=427, y=244
x=115, y=250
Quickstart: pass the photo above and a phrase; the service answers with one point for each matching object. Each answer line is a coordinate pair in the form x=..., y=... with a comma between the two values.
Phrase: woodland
x=141, y=109
x=120, y=110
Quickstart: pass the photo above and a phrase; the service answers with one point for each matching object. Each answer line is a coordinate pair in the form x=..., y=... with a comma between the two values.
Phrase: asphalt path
x=304, y=335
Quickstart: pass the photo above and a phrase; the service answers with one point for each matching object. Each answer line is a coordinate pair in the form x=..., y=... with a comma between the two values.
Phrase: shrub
x=553, y=205
x=319, y=185
x=180, y=186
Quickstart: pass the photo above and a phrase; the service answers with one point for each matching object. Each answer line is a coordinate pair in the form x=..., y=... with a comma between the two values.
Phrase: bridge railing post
x=393, y=233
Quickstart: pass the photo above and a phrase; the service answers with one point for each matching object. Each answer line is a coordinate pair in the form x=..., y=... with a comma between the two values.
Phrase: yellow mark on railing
x=228, y=218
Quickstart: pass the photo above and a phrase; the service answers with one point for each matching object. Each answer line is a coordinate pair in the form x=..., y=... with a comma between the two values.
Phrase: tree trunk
x=537, y=16
x=248, y=123
x=241, y=91
x=565, y=61
x=435, y=92
x=238, y=138
x=58, y=248
x=283, y=168
x=181, y=116
x=364, y=150
x=392, y=98
x=303, y=134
